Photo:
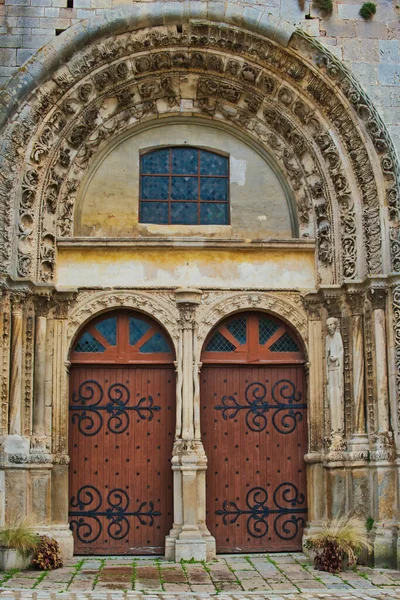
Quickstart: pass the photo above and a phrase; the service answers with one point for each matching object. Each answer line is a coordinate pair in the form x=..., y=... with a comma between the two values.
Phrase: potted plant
x=17, y=544
x=338, y=544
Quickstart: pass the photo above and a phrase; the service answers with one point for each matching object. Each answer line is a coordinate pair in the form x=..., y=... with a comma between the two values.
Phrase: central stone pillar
x=189, y=537
x=314, y=458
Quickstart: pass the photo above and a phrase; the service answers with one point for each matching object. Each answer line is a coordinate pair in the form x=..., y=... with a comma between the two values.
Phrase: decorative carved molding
x=157, y=305
x=239, y=86
x=396, y=326
x=285, y=306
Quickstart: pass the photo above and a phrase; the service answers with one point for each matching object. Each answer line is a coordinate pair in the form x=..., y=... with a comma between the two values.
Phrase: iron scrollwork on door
x=87, y=407
x=87, y=523
x=286, y=500
x=286, y=407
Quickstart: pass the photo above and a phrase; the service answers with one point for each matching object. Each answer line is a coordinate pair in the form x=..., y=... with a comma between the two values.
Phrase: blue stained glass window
x=212, y=188
x=213, y=164
x=219, y=343
x=184, y=213
x=174, y=190
x=137, y=329
x=213, y=214
x=184, y=161
x=285, y=344
x=154, y=212
x=155, y=188
x=155, y=162
x=87, y=343
x=238, y=328
x=266, y=328
x=184, y=188
x=157, y=343
x=108, y=329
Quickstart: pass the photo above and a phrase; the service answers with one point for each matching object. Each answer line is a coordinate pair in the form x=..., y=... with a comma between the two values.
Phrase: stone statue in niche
x=334, y=363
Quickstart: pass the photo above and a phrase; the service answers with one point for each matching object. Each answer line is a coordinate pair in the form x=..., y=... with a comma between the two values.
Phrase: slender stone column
x=383, y=454
x=359, y=439
x=16, y=364
x=40, y=369
x=314, y=458
x=189, y=537
x=378, y=298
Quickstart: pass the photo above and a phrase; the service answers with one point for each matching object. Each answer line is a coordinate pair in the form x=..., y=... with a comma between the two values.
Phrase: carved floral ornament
x=273, y=94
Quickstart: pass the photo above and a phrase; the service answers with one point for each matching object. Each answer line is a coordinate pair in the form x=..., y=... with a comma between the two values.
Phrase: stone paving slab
x=117, y=595
x=229, y=577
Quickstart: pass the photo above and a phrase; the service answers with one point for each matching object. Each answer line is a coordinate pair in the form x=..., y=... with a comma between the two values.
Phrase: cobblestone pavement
x=230, y=577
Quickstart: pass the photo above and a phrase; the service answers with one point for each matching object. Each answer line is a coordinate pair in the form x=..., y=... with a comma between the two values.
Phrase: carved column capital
x=62, y=305
x=42, y=305
x=333, y=304
x=187, y=300
x=377, y=297
x=18, y=299
x=313, y=306
x=356, y=301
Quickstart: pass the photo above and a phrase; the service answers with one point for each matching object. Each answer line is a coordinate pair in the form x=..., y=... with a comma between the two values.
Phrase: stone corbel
x=189, y=537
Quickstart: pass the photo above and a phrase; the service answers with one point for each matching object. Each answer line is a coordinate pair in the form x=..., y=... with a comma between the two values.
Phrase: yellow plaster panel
x=164, y=267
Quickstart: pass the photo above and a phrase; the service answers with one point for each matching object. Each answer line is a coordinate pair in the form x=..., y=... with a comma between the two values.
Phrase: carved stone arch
x=285, y=308
x=151, y=305
x=54, y=121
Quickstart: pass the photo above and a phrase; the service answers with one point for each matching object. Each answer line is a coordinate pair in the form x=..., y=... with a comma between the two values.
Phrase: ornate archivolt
x=298, y=103
x=215, y=307
x=161, y=307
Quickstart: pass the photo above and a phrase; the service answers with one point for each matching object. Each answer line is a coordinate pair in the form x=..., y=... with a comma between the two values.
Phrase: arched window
x=252, y=337
x=122, y=337
x=184, y=186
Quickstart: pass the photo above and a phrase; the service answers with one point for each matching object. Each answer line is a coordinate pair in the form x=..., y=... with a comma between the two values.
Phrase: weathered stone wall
x=370, y=49
x=108, y=201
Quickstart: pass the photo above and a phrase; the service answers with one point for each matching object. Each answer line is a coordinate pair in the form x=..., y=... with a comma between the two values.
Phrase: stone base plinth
x=188, y=549
x=385, y=550
x=62, y=534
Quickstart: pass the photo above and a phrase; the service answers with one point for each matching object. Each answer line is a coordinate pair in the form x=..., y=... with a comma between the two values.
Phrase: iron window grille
x=184, y=186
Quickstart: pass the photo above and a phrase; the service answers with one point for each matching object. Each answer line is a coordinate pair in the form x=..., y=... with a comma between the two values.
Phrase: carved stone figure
x=334, y=362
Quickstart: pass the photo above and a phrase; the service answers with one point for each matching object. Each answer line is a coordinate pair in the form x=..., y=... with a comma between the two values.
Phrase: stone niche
x=108, y=202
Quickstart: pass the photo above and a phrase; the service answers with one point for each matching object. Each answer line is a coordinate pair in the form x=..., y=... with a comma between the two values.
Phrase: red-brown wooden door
x=121, y=432
x=254, y=430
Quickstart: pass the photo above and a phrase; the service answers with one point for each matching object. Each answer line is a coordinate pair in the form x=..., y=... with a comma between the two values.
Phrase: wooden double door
x=254, y=431
x=121, y=433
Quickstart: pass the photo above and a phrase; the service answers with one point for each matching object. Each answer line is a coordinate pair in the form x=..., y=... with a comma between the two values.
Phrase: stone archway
x=281, y=90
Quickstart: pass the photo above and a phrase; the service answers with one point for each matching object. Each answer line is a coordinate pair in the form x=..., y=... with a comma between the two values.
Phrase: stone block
x=8, y=57
x=36, y=41
x=52, y=12
x=83, y=13
x=28, y=22
x=366, y=72
x=353, y=49
x=41, y=2
x=349, y=11
x=389, y=74
x=339, y=28
x=54, y=23
x=17, y=2
x=369, y=30
x=81, y=3
x=11, y=41
x=389, y=51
